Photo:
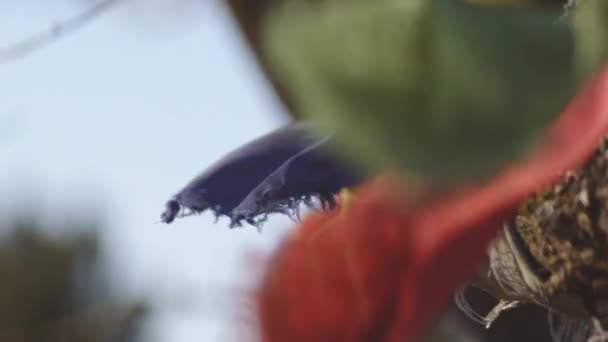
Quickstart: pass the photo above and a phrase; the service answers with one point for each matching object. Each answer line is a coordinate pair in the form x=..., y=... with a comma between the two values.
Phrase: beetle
x=229, y=180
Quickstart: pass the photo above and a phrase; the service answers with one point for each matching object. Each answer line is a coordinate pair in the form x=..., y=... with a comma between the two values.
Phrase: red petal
x=337, y=277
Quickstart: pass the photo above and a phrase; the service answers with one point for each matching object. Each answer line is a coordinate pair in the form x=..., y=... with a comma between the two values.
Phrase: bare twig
x=58, y=30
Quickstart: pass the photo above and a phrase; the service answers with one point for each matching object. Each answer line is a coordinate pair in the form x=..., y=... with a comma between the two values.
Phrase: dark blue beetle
x=291, y=164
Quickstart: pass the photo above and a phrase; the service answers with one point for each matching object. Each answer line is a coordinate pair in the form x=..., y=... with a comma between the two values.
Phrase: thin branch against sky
x=32, y=43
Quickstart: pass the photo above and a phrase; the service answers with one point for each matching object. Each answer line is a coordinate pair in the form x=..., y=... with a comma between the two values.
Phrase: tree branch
x=59, y=30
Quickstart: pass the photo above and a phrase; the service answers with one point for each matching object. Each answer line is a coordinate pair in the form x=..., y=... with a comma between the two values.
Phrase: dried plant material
x=569, y=329
x=490, y=317
x=565, y=233
x=554, y=253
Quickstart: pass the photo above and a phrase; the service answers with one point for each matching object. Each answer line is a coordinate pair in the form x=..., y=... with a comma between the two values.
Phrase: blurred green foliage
x=591, y=23
x=442, y=89
x=52, y=290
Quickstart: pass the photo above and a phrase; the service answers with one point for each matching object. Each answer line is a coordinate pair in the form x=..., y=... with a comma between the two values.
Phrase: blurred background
x=97, y=130
x=99, y=126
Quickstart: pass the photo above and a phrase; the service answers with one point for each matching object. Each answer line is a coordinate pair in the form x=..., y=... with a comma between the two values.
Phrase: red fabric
x=380, y=270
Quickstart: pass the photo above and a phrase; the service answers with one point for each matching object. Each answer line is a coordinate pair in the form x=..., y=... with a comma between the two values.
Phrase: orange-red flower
x=380, y=268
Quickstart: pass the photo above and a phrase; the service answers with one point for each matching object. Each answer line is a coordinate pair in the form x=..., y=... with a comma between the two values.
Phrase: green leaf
x=438, y=88
x=591, y=24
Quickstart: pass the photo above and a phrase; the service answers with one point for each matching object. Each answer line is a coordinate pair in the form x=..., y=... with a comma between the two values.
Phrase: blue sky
x=113, y=120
